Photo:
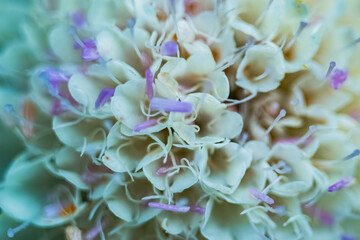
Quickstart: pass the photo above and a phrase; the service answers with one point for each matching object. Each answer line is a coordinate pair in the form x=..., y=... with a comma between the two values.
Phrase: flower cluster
x=181, y=119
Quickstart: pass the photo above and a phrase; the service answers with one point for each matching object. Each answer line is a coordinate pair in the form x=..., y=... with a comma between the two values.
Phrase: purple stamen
x=261, y=196
x=340, y=184
x=149, y=82
x=331, y=68
x=337, y=78
x=169, y=48
x=355, y=153
x=168, y=207
x=197, y=209
x=167, y=105
x=144, y=125
x=104, y=96
x=79, y=19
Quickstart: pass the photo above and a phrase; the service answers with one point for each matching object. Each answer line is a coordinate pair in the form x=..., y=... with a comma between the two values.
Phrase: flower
x=194, y=119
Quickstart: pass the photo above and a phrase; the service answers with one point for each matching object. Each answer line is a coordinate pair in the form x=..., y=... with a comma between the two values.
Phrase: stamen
x=277, y=119
x=331, y=67
x=75, y=36
x=355, y=153
x=304, y=139
x=144, y=125
x=263, y=14
x=261, y=196
x=169, y=48
x=337, y=78
x=167, y=105
x=90, y=52
x=281, y=168
x=297, y=34
x=104, y=96
x=131, y=25
x=168, y=207
x=78, y=19
x=197, y=209
x=149, y=82
x=173, y=13
x=340, y=184
x=12, y=231
x=95, y=231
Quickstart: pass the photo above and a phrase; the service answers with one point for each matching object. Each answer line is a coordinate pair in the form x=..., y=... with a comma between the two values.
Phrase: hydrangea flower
x=179, y=119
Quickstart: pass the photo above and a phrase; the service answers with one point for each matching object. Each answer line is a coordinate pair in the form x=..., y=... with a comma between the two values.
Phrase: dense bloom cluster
x=181, y=119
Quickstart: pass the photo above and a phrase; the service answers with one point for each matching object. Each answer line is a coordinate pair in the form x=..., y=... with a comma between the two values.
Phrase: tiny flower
x=337, y=78
x=104, y=96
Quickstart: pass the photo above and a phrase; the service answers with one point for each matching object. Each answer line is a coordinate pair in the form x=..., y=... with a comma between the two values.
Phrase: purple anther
x=197, y=209
x=355, y=153
x=53, y=78
x=346, y=237
x=78, y=19
x=169, y=48
x=167, y=105
x=331, y=68
x=337, y=78
x=145, y=124
x=104, y=96
x=261, y=196
x=168, y=207
x=340, y=184
x=149, y=82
